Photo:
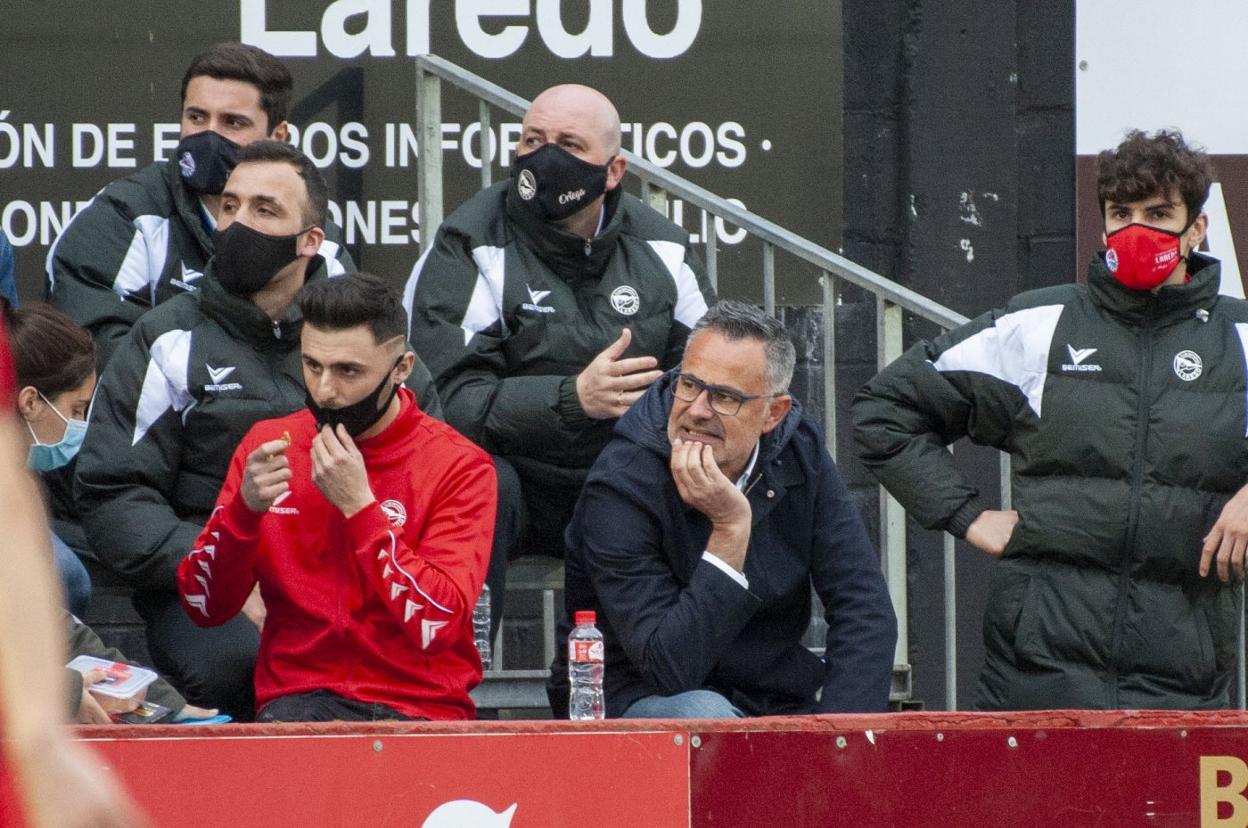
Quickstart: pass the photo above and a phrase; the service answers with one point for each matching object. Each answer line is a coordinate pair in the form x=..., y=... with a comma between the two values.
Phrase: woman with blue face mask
x=54, y=363
x=54, y=359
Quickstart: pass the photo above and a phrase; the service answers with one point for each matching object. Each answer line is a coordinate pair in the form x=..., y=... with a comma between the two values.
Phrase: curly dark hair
x=1144, y=165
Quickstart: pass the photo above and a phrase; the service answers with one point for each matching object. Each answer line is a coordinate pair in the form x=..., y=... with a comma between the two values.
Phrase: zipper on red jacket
x=1133, y=512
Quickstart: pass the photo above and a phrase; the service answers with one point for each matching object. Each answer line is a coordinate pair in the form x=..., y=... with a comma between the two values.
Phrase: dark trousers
x=324, y=706
x=531, y=518
x=211, y=666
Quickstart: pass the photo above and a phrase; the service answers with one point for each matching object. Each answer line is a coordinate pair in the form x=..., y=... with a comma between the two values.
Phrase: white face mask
x=44, y=457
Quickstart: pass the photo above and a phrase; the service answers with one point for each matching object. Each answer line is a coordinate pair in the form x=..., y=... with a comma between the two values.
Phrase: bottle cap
x=586, y=617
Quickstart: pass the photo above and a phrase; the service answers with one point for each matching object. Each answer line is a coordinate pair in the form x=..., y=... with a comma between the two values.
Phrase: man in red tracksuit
x=367, y=524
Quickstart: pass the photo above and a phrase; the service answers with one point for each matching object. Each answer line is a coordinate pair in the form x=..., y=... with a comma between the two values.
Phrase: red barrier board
x=1027, y=770
x=491, y=780
x=1058, y=768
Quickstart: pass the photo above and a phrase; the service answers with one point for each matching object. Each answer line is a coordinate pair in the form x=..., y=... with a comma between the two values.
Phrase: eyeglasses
x=725, y=401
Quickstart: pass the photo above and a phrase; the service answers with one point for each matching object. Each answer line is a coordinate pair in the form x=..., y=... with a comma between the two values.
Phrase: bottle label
x=583, y=651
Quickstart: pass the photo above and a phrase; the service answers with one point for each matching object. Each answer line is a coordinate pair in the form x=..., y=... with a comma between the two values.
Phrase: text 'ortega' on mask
x=206, y=160
x=245, y=260
x=1142, y=257
x=44, y=457
x=555, y=183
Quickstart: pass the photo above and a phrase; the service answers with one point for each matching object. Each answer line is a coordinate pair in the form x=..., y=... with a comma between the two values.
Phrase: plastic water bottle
x=481, y=627
x=585, y=657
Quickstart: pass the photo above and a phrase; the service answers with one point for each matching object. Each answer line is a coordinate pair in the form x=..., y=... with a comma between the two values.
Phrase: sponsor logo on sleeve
x=189, y=275
x=1077, y=357
x=277, y=508
x=535, y=301
x=218, y=376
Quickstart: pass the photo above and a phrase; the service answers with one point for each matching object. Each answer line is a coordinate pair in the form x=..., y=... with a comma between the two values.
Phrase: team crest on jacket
x=526, y=185
x=394, y=512
x=625, y=300
x=1188, y=365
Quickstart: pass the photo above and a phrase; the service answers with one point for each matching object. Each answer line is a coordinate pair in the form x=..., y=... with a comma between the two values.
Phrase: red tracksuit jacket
x=376, y=608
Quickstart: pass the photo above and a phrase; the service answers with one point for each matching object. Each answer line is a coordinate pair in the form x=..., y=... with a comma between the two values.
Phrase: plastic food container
x=124, y=681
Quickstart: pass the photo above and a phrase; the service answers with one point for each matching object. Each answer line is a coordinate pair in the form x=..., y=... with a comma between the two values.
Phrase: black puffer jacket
x=506, y=310
x=141, y=241
x=672, y=621
x=1125, y=415
x=194, y=375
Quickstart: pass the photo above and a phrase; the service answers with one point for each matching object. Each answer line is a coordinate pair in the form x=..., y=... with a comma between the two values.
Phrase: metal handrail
x=817, y=255
x=657, y=183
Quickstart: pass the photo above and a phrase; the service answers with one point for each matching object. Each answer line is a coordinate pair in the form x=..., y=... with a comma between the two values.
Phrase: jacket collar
x=242, y=319
x=1169, y=304
x=188, y=207
x=571, y=257
x=383, y=444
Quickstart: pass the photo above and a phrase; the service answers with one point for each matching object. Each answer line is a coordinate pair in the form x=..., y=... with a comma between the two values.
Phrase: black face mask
x=554, y=183
x=206, y=160
x=358, y=417
x=245, y=260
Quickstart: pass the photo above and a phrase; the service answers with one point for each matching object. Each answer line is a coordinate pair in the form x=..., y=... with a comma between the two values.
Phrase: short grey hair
x=741, y=320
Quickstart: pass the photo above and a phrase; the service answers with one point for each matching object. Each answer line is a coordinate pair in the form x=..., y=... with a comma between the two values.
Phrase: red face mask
x=1142, y=257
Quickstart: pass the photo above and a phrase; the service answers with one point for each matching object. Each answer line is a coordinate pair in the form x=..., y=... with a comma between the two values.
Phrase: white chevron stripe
x=486, y=305
x=145, y=259
x=429, y=629
x=1242, y=329
x=690, y=303
x=411, y=580
x=165, y=385
x=199, y=602
x=1015, y=349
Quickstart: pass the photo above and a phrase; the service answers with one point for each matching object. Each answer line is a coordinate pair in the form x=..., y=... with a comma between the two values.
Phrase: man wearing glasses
x=700, y=532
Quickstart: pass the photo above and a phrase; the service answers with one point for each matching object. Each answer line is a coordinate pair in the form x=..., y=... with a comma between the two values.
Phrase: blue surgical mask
x=46, y=457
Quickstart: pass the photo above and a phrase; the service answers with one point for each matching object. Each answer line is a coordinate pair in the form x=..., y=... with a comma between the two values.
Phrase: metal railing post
x=656, y=197
x=888, y=328
x=712, y=254
x=951, y=624
x=1007, y=493
x=1242, y=700
x=829, y=360
x=769, y=278
x=487, y=143
x=429, y=145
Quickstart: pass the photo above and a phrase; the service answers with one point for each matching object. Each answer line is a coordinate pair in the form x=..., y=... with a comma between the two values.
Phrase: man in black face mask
x=360, y=501
x=545, y=306
x=147, y=237
x=195, y=374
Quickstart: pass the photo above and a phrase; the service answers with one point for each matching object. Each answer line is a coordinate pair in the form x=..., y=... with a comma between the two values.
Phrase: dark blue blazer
x=674, y=622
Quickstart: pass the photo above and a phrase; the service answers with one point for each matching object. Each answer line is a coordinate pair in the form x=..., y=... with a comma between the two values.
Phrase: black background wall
x=959, y=182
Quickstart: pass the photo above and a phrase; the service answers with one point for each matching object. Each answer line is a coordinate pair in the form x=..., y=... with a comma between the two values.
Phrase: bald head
x=573, y=116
